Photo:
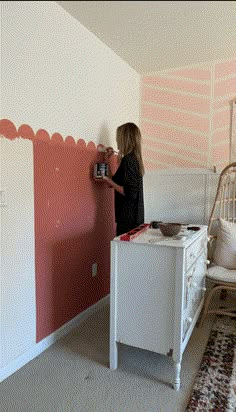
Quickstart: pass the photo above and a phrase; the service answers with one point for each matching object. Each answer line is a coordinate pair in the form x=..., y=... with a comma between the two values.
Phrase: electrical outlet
x=94, y=269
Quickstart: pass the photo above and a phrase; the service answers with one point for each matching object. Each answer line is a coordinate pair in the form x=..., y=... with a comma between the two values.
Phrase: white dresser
x=157, y=292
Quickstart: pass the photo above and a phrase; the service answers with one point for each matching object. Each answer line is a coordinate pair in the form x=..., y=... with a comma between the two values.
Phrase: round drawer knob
x=190, y=320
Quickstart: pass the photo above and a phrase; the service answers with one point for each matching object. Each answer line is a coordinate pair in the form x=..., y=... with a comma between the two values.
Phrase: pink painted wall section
x=183, y=85
x=222, y=118
x=225, y=69
x=220, y=152
x=222, y=103
x=170, y=159
x=188, y=111
x=74, y=223
x=175, y=118
x=224, y=92
x=194, y=73
x=171, y=135
x=225, y=87
x=175, y=114
x=220, y=136
x=154, y=166
x=186, y=102
x=73, y=227
x=198, y=159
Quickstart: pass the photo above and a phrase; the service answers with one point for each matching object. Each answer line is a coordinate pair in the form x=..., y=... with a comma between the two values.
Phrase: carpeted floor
x=215, y=384
x=73, y=375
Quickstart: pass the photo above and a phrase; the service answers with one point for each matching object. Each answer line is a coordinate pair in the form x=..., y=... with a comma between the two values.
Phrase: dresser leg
x=113, y=355
x=176, y=384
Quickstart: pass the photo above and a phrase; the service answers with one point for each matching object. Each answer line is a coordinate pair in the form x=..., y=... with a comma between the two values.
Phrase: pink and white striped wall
x=185, y=116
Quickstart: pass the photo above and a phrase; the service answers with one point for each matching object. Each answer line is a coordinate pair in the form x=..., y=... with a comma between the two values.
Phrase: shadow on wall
x=74, y=223
x=104, y=136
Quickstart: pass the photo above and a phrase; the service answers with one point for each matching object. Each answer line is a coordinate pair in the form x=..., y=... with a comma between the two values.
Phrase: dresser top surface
x=154, y=237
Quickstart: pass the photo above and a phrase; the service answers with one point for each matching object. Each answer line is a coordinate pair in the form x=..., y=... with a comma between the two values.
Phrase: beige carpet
x=73, y=375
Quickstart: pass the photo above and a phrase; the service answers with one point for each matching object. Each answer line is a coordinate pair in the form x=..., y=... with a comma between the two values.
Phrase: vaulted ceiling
x=158, y=35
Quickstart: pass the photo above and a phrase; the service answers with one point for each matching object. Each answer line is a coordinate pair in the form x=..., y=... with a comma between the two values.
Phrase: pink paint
x=42, y=135
x=225, y=69
x=221, y=153
x=70, y=141
x=74, y=224
x=174, y=100
x=171, y=160
x=192, y=73
x=57, y=138
x=225, y=87
x=225, y=103
x=8, y=129
x=200, y=157
x=26, y=132
x=183, y=85
x=221, y=119
x=81, y=144
x=91, y=146
x=173, y=136
x=173, y=118
x=153, y=166
x=221, y=136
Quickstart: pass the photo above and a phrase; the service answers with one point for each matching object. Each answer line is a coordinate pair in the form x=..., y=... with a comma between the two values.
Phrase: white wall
x=175, y=195
x=0, y=59
x=58, y=76
x=1, y=201
x=17, y=280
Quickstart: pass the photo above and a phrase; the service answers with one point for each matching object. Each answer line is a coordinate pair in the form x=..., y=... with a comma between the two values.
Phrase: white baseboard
x=44, y=344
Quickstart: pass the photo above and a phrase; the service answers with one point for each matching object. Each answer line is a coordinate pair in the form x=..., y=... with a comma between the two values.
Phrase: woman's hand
x=104, y=180
x=109, y=151
x=108, y=181
x=114, y=185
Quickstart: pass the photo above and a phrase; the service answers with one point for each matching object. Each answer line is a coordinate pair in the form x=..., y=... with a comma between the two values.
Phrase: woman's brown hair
x=128, y=137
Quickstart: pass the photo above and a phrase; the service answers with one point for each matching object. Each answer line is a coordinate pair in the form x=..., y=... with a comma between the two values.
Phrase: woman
x=128, y=179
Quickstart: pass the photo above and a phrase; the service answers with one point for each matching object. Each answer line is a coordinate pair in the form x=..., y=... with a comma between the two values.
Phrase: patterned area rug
x=214, y=387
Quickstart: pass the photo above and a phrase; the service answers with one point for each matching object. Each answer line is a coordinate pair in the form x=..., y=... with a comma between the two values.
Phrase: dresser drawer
x=194, y=280
x=196, y=249
x=194, y=291
x=197, y=295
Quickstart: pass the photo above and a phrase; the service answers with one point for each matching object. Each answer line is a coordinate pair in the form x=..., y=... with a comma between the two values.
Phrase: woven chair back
x=224, y=205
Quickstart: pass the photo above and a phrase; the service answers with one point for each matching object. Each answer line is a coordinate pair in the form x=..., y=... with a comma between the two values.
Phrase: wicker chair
x=222, y=279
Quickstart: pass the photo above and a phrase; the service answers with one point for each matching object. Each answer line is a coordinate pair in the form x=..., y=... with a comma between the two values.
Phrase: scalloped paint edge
x=9, y=131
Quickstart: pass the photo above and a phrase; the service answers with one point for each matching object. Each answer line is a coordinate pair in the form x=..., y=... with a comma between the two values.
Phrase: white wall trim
x=44, y=344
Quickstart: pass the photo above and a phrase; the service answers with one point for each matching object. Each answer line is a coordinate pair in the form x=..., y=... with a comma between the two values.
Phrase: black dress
x=129, y=208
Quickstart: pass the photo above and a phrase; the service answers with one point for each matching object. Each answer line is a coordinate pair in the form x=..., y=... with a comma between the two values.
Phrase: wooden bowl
x=170, y=229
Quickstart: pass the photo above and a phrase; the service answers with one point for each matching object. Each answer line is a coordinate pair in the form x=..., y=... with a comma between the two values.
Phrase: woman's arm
x=114, y=185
